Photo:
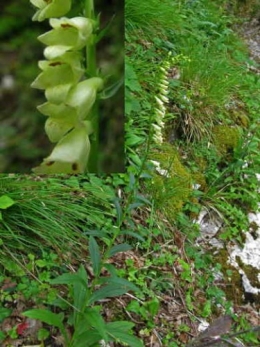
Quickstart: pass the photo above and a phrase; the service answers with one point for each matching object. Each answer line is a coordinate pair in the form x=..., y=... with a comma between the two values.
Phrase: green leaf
x=4, y=313
x=111, y=269
x=119, y=248
x=117, y=281
x=81, y=294
x=89, y=338
x=131, y=81
x=6, y=202
x=111, y=90
x=120, y=325
x=116, y=287
x=108, y=291
x=133, y=234
x=134, y=140
x=97, y=233
x=153, y=306
x=95, y=319
x=118, y=331
x=69, y=279
x=94, y=255
x=46, y=316
x=2, y=336
x=104, y=31
x=119, y=211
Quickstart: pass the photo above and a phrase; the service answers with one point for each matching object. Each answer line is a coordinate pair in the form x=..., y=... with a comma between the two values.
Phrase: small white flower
x=163, y=69
x=162, y=84
x=158, y=139
x=164, y=91
x=160, y=113
x=155, y=163
x=159, y=101
x=164, y=98
x=156, y=127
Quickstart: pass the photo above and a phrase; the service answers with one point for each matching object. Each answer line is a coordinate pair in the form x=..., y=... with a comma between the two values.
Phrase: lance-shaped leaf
x=70, y=155
x=68, y=34
x=50, y=8
x=83, y=95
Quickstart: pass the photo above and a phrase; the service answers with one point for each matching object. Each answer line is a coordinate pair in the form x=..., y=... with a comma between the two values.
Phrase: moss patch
x=226, y=138
x=234, y=288
x=170, y=193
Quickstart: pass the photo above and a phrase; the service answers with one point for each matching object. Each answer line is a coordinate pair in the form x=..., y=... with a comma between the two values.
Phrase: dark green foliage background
x=23, y=143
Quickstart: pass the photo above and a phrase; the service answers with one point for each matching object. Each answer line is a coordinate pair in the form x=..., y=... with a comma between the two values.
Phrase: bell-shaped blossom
x=69, y=156
x=50, y=8
x=68, y=34
x=78, y=103
x=57, y=77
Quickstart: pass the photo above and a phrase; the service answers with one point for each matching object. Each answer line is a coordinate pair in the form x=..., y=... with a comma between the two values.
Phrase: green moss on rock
x=233, y=285
x=172, y=190
x=226, y=138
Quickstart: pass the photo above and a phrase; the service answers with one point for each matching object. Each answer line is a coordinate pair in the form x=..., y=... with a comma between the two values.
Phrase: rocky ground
x=250, y=31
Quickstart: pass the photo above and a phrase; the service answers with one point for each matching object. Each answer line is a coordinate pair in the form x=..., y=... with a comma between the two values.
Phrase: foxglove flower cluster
x=161, y=100
x=69, y=98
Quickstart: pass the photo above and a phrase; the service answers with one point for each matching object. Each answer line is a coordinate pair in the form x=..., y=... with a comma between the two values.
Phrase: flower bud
x=83, y=96
x=50, y=8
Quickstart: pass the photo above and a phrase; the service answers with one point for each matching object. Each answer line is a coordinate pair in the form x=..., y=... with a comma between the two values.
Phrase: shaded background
x=23, y=143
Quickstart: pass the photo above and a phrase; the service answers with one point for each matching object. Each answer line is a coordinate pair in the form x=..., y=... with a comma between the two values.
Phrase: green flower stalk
x=70, y=100
x=161, y=100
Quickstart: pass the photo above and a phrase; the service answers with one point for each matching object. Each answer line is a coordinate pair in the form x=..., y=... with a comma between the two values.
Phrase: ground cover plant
x=114, y=260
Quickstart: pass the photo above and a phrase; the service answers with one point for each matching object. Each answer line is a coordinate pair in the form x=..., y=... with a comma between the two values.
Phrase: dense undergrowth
x=115, y=258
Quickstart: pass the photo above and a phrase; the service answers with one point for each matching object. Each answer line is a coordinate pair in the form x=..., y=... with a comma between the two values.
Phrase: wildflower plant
x=161, y=99
x=71, y=89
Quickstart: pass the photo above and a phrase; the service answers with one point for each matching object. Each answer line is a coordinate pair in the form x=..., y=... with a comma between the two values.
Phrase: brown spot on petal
x=50, y=163
x=55, y=64
x=74, y=166
x=66, y=26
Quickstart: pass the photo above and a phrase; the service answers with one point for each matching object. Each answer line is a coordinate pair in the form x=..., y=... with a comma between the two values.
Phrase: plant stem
x=91, y=71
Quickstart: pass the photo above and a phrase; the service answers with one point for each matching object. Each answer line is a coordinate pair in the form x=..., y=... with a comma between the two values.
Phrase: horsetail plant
x=70, y=88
